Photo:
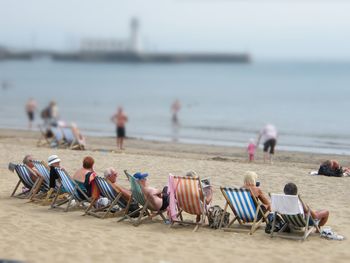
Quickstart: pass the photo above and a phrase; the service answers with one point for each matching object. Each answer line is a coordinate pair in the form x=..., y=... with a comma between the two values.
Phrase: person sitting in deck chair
x=158, y=199
x=28, y=161
x=321, y=215
x=85, y=176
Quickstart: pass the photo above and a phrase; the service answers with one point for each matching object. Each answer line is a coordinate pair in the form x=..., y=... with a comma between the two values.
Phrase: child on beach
x=251, y=150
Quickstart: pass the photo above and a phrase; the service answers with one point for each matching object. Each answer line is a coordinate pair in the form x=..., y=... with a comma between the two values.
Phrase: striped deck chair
x=24, y=177
x=145, y=210
x=106, y=190
x=190, y=199
x=246, y=208
x=72, y=188
x=44, y=171
x=290, y=207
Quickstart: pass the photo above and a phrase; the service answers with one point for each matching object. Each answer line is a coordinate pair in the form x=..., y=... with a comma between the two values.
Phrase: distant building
x=131, y=44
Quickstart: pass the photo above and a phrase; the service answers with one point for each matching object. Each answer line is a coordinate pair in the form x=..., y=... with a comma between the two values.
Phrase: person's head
x=52, y=103
x=88, y=162
x=290, y=189
x=53, y=160
x=335, y=164
x=251, y=141
x=111, y=174
x=141, y=177
x=28, y=160
x=191, y=174
x=119, y=109
x=250, y=178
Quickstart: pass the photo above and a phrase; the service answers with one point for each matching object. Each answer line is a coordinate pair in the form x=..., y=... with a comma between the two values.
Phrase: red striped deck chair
x=190, y=199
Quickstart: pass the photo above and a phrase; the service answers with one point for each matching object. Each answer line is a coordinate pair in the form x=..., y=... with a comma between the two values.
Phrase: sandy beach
x=35, y=233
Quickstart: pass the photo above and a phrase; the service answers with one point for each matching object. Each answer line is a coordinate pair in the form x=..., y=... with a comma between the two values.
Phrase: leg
x=322, y=215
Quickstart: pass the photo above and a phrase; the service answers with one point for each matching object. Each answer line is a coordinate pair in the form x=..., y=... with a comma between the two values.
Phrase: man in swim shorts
x=269, y=136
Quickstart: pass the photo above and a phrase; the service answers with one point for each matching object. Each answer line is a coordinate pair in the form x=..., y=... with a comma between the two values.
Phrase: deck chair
x=107, y=190
x=45, y=184
x=24, y=177
x=72, y=188
x=291, y=209
x=56, y=140
x=247, y=210
x=145, y=210
x=190, y=199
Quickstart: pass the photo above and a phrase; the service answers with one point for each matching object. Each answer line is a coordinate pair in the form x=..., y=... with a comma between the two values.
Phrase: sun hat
x=53, y=159
x=140, y=176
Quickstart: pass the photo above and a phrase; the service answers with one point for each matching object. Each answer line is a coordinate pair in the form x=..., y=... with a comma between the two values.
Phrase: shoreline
x=190, y=150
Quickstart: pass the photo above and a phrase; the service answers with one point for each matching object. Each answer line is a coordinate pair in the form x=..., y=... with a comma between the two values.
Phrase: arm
x=263, y=198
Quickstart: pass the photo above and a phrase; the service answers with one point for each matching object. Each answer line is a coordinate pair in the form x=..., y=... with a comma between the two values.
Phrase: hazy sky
x=278, y=29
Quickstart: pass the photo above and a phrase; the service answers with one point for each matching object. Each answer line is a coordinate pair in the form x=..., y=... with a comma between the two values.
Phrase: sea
x=221, y=104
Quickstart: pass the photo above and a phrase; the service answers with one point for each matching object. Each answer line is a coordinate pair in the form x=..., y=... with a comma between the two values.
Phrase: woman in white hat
x=53, y=162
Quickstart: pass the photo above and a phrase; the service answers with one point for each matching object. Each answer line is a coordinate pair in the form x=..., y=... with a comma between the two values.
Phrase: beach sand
x=35, y=233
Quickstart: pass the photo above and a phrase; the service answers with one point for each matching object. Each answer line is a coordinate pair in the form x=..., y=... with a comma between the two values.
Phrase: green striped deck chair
x=290, y=207
x=190, y=199
x=24, y=177
x=106, y=190
x=72, y=188
x=247, y=210
x=145, y=210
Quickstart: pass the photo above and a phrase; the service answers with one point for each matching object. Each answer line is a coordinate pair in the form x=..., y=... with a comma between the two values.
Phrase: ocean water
x=221, y=104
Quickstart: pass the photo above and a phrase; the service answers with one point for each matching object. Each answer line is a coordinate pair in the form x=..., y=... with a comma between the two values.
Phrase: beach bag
x=214, y=217
x=279, y=224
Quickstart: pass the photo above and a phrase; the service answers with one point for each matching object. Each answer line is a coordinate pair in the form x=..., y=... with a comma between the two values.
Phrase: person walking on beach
x=31, y=107
x=120, y=119
x=269, y=136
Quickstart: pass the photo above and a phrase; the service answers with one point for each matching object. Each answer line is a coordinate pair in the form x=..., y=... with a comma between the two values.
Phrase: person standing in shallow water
x=120, y=119
x=31, y=107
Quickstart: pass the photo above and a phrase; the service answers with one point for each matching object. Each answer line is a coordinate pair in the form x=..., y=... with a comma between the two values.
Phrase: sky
x=267, y=29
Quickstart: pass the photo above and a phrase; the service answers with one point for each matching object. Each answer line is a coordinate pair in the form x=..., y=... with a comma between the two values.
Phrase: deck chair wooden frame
x=108, y=190
x=190, y=198
x=299, y=224
x=245, y=208
x=72, y=189
x=146, y=213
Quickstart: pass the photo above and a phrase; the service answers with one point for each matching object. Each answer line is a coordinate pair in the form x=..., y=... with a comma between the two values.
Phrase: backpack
x=45, y=113
x=279, y=224
x=214, y=217
x=328, y=171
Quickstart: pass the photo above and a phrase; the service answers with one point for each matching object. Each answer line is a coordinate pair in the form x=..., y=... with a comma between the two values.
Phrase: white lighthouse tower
x=134, y=40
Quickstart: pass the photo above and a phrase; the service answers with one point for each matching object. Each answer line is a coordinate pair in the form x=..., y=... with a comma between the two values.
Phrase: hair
x=26, y=159
x=88, y=162
x=191, y=174
x=250, y=178
x=108, y=172
x=290, y=189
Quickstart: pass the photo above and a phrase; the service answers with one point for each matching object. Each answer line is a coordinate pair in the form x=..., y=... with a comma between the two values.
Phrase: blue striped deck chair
x=145, y=210
x=24, y=177
x=106, y=190
x=290, y=207
x=72, y=188
x=247, y=210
